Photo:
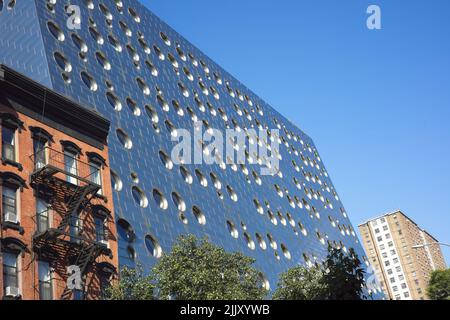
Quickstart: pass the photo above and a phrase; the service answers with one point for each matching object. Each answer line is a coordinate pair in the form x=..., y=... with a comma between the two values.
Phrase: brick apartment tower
x=56, y=208
x=404, y=271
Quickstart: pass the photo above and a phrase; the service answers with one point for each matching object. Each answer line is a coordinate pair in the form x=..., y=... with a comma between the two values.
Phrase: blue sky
x=376, y=103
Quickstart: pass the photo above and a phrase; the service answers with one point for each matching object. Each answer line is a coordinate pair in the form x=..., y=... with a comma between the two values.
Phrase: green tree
x=300, y=283
x=439, y=286
x=133, y=285
x=195, y=269
x=343, y=276
x=340, y=277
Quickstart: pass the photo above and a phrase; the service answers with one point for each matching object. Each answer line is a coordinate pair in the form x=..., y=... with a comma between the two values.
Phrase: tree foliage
x=133, y=285
x=340, y=277
x=343, y=276
x=195, y=269
x=439, y=286
x=300, y=283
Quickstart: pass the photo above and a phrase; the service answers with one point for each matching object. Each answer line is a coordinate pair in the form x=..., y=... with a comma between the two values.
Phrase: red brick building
x=56, y=210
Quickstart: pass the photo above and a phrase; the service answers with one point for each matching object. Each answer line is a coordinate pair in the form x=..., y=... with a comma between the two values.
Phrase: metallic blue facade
x=29, y=43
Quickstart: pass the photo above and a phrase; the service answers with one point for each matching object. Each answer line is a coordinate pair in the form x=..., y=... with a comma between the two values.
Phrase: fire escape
x=67, y=184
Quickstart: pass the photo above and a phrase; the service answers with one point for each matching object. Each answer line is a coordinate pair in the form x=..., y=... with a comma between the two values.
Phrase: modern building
x=149, y=81
x=403, y=269
x=57, y=209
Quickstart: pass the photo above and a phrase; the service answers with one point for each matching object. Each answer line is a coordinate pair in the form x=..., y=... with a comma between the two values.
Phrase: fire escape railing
x=74, y=181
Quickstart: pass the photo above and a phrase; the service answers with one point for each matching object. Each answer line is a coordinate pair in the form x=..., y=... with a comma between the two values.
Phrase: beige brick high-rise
x=403, y=271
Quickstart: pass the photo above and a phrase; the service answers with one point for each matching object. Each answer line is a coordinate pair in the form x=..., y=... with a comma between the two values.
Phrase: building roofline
x=37, y=99
x=396, y=212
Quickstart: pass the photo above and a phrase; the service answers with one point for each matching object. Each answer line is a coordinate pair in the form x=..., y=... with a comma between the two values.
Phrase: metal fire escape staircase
x=61, y=244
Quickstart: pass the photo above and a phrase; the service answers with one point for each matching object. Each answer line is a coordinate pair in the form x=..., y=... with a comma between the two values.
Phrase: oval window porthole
x=116, y=181
x=89, y=81
x=186, y=175
x=56, y=31
x=114, y=101
x=139, y=197
x=125, y=230
x=153, y=246
x=124, y=139
x=232, y=229
x=160, y=200
x=201, y=219
x=62, y=62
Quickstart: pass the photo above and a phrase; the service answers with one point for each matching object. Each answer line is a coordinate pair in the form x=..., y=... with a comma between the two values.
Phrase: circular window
x=143, y=86
x=159, y=53
x=178, y=108
x=79, y=43
x=89, y=4
x=134, y=14
x=125, y=29
x=116, y=181
x=62, y=62
x=132, y=105
x=272, y=218
x=114, y=101
x=179, y=202
x=232, y=229
x=186, y=175
x=261, y=241
x=188, y=74
x=89, y=81
x=124, y=139
x=56, y=31
x=272, y=242
x=115, y=43
x=258, y=206
x=151, y=112
x=131, y=253
x=201, y=178
x=96, y=35
x=303, y=229
x=286, y=252
x=153, y=246
x=125, y=230
x=166, y=160
x=103, y=61
x=134, y=177
x=108, y=15
x=139, y=197
x=173, y=60
x=152, y=68
x=165, y=38
x=160, y=200
x=201, y=219
x=171, y=128
x=250, y=242
x=216, y=181
x=232, y=194
x=183, y=90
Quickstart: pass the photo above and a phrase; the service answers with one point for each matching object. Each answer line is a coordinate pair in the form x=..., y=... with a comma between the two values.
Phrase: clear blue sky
x=376, y=103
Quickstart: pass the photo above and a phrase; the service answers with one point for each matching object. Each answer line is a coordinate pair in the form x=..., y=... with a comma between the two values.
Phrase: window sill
x=12, y=163
x=102, y=197
x=13, y=226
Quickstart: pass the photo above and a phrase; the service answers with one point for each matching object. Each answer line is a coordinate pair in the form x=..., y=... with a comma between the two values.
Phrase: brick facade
x=20, y=236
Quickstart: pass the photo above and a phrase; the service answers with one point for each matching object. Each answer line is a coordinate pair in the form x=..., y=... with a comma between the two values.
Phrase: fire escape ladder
x=86, y=257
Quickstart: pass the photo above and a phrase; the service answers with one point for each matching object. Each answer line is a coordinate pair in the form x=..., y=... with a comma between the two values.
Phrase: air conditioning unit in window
x=105, y=243
x=11, y=217
x=12, y=292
